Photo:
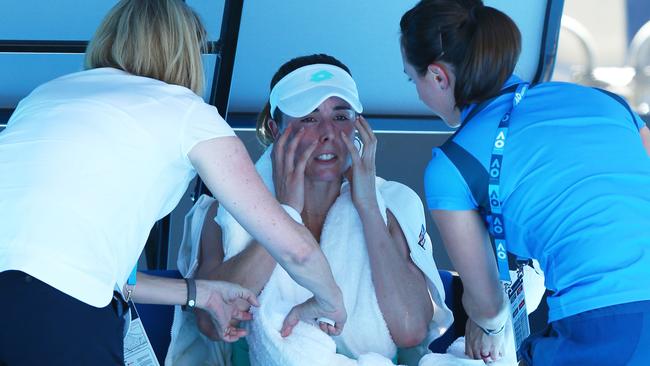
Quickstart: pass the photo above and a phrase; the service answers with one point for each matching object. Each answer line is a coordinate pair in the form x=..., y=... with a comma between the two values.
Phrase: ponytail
x=490, y=58
x=262, y=129
x=479, y=42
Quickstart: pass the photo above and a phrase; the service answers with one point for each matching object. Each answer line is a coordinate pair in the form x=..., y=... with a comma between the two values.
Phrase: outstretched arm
x=466, y=240
x=218, y=298
x=468, y=245
x=224, y=165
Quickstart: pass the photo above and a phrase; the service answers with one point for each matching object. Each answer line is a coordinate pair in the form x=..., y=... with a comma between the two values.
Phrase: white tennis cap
x=304, y=89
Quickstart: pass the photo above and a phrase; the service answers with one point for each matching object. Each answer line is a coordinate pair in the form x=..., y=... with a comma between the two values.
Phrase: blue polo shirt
x=575, y=188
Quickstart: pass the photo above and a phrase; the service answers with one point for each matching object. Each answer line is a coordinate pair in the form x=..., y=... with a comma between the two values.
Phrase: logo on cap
x=422, y=237
x=321, y=76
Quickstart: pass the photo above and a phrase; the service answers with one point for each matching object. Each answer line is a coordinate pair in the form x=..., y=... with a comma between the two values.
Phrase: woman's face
x=433, y=93
x=331, y=158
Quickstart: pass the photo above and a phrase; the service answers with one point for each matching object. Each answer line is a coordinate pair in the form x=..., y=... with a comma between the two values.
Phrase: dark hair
x=481, y=43
x=263, y=131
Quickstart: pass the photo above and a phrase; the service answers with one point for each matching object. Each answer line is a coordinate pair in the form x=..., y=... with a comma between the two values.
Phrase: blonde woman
x=95, y=158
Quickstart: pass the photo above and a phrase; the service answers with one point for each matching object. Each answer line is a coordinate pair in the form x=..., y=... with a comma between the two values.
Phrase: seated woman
x=372, y=232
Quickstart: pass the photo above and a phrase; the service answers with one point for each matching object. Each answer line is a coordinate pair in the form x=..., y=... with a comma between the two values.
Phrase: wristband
x=191, y=294
x=293, y=213
x=492, y=332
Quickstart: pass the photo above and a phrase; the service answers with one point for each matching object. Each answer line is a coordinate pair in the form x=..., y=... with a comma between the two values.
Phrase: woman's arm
x=400, y=286
x=210, y=245
x=224, y=165
x=251, y=268
x=466, y=240
x=251, y=271
x=218, y=298
x=468, y=245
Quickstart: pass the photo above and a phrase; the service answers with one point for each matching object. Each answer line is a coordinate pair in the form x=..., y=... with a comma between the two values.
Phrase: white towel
x=365, y=337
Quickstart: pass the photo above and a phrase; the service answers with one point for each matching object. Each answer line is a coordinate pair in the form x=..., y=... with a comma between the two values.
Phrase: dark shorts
x=613, y=335
x=40, y=325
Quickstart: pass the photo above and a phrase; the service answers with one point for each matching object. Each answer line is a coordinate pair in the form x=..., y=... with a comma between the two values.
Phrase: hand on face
x=479, y=345
x=289, y=173
x=362, y=173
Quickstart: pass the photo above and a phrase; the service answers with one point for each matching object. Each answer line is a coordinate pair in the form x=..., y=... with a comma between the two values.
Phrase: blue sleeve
x=635, y=117
x=444, y=186
x=638, y=121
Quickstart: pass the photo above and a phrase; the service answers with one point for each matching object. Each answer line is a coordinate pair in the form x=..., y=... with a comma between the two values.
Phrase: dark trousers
x=616, y=335
x=40, y=325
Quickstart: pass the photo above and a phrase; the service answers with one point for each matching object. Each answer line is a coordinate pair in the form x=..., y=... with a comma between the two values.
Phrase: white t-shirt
x=88, y=163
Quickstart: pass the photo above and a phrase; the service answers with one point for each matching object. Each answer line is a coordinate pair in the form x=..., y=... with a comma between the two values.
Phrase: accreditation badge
x=521, y=326
x=137, y=347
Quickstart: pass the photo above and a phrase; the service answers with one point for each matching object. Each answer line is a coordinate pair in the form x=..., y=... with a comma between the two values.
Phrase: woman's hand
x=362, y=173
x=479, y=345
x=208, y=326
x=310, y=311
x=289, y=174
x=222, y=301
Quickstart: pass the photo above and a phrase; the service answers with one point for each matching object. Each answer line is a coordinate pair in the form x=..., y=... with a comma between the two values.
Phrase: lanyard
x=514, y=290
x=497, y=228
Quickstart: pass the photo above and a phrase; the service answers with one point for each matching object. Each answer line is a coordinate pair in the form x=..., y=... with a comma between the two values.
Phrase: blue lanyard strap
x=497, y=226
x=132, y=277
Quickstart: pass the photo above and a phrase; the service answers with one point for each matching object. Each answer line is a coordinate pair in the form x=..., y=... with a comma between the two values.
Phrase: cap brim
x=304, y=103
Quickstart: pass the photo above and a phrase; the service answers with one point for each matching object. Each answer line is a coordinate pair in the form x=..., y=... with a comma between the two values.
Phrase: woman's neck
x=319, y=198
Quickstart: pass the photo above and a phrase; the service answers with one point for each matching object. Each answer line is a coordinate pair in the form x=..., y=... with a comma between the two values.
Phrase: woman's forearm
x=468, y=245
x=226, y=168
x=400, y=286
x=476, y=310
x=251, y=268
x=159, y=290
x=312, y=271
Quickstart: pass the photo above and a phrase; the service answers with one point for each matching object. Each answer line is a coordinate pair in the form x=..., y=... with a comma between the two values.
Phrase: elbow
x=303, y=254
x=303, y=250
x=411, y=332
x=410, y=336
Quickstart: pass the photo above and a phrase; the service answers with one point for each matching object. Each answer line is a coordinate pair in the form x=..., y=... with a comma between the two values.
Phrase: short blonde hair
x=160, y=39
